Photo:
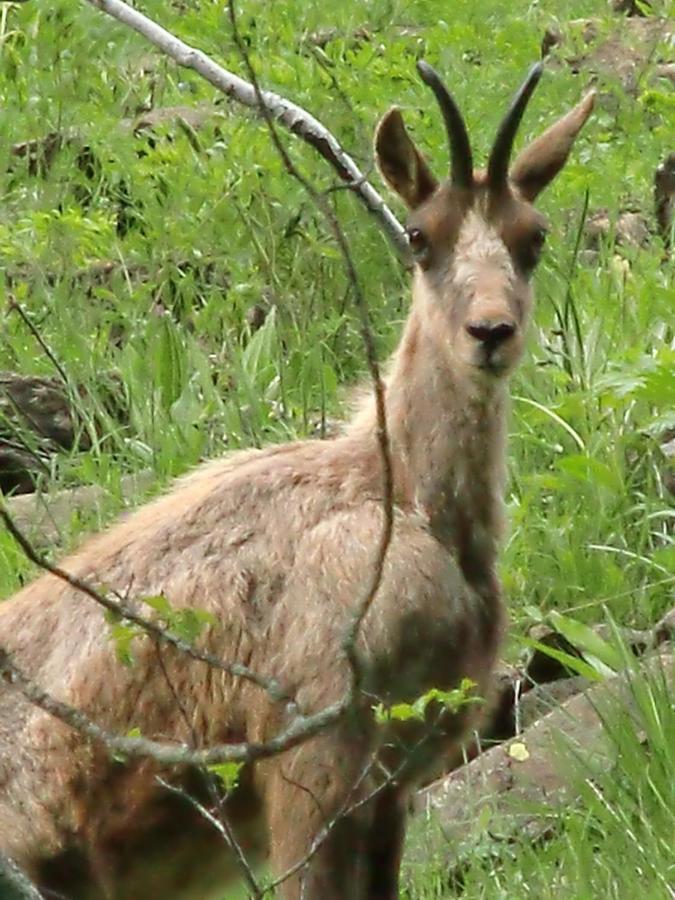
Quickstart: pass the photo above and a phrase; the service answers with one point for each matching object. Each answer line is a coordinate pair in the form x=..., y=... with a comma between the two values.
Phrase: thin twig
x=220, y=821
x=15, y=306
x=120, y=608
x=294, y=117
x=223, y=828
x=325, y=832
x=351, y=634
x=569, y=301
x=174, y=693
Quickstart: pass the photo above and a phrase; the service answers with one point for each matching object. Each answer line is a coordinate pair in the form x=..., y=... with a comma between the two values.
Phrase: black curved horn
x=498, y=165
x=461, y=165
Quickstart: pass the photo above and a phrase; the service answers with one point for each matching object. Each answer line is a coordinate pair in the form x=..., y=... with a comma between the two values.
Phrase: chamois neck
x=447, y=433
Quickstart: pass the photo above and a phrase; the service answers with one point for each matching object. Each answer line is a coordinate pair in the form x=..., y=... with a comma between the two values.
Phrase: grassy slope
x=615, y=842
x=217, y=226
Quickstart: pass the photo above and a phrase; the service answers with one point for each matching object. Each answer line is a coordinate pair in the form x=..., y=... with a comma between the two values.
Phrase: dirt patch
x=636, y=49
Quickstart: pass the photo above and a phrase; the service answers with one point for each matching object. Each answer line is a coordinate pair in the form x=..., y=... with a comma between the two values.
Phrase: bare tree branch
x=43, y=512
x=219, y=819
x=296, y=119
x=301, y=727
x=120, y=608
x=223, y=828
x=19, y=881
x=299, y=730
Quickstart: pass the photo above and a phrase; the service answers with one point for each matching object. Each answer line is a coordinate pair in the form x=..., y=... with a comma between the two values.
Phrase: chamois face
x=476, y=237
x=474, y=259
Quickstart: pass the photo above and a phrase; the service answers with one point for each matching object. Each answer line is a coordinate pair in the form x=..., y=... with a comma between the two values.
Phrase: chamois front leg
x=310, y=795
x=385, y=845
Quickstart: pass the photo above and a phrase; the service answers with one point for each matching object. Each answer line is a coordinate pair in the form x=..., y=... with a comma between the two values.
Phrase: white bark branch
x=299, y=730
x=293, y=117
x=13, y=876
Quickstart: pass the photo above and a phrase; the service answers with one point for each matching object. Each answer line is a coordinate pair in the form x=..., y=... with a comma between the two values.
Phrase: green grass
x=202, y=229
x=614, y=841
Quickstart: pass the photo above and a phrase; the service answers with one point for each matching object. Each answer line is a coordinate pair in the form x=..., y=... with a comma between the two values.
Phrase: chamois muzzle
x=498, y=165
x=461, y=163
x=490, y=333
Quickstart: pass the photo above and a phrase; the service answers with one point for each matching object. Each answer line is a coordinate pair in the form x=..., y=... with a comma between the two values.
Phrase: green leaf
x=483, y=820
x=190, y=623
x=590, y=470
x=159, y=603
x=227, y=773
x=452, y=700
x=122, y=635
x=259, y=358
x=170, y=362
x=590, y=644
x=566, y=659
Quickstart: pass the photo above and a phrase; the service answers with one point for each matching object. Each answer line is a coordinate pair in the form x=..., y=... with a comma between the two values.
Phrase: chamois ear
x=539, y=163
x=402, y=165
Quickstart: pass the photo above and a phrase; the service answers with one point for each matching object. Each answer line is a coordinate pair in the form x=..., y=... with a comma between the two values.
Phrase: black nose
x=492, y=333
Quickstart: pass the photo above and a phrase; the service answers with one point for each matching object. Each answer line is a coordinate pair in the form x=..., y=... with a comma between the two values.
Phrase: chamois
x=277, y=544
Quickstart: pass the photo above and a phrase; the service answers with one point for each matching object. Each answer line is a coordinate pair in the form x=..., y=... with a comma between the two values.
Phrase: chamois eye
x=418, y=243
x=539, y=238
x=527, y=254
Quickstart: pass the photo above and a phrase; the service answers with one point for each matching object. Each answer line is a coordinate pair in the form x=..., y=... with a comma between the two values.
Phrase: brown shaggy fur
x=277, y=544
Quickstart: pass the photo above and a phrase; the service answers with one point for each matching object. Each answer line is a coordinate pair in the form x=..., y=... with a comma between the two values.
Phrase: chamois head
x=475, y=237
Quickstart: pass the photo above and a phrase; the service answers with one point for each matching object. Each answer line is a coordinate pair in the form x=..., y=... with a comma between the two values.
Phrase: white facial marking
x=479, y=247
